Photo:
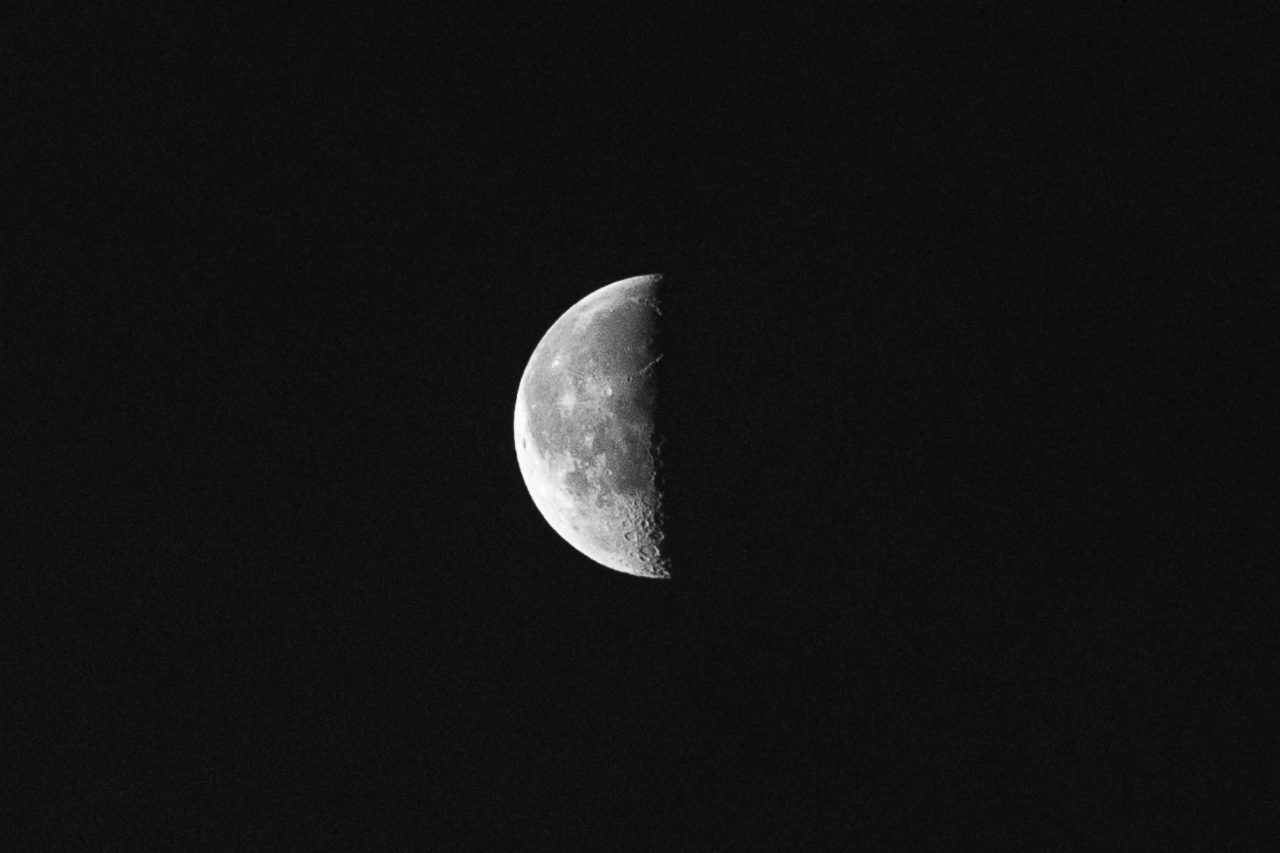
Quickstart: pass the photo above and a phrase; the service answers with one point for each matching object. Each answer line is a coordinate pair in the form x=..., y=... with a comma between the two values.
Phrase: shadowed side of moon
x=584, y=427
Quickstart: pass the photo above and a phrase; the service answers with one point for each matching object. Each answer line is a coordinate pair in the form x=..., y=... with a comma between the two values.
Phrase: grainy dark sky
x=965, y=513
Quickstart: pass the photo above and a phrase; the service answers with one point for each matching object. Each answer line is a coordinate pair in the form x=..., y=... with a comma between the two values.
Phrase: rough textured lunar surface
x=584, y=428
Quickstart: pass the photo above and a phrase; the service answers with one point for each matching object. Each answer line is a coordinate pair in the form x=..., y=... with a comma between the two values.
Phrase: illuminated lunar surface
x=584, y=428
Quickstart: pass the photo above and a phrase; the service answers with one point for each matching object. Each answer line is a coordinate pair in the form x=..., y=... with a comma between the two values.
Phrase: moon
x=584, y=427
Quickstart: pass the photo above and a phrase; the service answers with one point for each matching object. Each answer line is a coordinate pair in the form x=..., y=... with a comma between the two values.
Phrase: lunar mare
x=584, y=429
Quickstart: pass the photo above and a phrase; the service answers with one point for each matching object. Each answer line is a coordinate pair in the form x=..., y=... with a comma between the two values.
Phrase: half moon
x=584, y=427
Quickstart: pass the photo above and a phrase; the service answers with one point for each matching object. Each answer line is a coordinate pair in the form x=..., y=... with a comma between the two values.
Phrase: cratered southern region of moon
x=585, y=434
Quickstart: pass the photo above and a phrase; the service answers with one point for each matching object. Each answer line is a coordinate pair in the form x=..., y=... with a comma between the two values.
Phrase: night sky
x=964, y=326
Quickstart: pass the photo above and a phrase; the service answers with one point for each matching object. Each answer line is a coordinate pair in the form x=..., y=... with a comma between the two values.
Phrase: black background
x=966, y=319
